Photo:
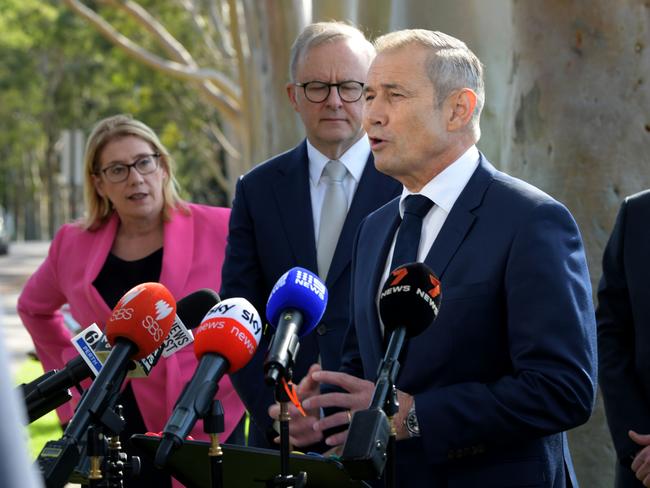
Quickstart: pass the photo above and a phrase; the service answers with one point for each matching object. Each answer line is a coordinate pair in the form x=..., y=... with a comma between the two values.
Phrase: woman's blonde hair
x=99, y=209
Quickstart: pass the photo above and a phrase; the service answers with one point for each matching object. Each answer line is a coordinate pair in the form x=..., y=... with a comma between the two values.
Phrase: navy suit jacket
x=271, y=231
x=510, y=362
x=623, y=316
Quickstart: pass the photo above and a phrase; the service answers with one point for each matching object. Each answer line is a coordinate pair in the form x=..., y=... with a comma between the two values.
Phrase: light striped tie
x=332, y=216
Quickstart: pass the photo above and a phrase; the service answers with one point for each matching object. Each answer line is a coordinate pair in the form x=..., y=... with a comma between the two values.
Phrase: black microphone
x=50, y=390
x=139, y=324
x=408, y=303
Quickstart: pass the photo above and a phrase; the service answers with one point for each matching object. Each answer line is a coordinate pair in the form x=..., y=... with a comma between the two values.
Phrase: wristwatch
x=411, y=421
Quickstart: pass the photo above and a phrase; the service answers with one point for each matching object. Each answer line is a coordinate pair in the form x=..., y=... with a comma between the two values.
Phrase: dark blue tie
x=408, y=234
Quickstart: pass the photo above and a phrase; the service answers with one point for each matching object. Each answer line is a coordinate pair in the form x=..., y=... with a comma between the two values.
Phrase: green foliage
x=58, y=73
x=47, y=427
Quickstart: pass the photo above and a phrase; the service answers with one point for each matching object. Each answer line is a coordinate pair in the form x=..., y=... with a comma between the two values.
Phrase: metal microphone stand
x=284, y=479
x=109, y=465
x=370, y=447
x=213, y=425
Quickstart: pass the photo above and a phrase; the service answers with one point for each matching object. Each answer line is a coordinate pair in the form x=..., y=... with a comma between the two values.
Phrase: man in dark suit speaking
x=487, y=391
x=303, y=207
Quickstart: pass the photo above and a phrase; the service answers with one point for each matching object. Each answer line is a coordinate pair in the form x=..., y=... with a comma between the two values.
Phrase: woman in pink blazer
x=137, y=229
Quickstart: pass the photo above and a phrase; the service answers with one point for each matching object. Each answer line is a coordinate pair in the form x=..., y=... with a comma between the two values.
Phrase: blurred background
x=566, y=103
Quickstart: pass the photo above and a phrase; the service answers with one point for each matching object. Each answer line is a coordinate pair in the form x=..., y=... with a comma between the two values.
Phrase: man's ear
x=461, y=104
x=291, y=93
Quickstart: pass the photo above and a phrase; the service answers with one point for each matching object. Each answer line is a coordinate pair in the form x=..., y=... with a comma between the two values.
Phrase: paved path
x=15, y=269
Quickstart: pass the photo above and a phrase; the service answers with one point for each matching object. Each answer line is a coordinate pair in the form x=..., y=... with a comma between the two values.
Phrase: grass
x=47, y=427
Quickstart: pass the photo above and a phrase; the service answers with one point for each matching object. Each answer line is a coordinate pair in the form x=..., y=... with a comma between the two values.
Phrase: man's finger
x=335, y=399
x=337, y=439
x=334, y=420
x=342, y=380
x=308, y=386
x=641, y=439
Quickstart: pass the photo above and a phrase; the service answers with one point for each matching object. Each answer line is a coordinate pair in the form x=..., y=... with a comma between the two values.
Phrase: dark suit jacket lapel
x=377, y=249
x=460, y=219
x=291, y=190
x=371, y=194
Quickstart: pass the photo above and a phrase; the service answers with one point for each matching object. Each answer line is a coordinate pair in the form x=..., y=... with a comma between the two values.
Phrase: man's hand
x=301, y=429
x=641, y=462
x=357, y=397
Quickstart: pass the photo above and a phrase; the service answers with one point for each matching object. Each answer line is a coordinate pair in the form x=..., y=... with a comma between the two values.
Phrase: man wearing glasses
x=302, y=208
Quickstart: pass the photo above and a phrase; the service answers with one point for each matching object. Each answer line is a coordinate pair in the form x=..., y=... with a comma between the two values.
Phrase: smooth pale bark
x=327, y=10
x=271, y=27
x=486, y=27
x=579, y=130
x=373, y=17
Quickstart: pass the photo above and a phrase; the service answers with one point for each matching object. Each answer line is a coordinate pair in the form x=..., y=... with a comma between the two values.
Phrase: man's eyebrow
x=387, y=86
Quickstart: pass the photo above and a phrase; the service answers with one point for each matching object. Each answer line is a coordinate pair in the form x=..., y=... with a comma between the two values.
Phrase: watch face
x=412, y=424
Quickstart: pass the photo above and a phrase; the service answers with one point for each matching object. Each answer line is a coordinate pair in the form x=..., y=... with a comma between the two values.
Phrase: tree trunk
x=579, y=130
x=373, y=17
x=271, y=122
x=328, y=10
x=486, y=28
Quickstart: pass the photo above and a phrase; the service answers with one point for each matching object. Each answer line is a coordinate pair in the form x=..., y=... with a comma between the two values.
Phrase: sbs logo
x=122, y=314
x=151, y=326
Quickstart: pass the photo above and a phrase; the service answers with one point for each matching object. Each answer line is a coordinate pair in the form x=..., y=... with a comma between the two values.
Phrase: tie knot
x=417, y=205
x=335, y=170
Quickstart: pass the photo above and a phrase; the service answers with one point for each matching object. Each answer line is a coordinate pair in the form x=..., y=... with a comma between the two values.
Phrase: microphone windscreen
x=231, y=329
x=410, y=298
x=144, y=316
x=192, y=308
x=298, y=289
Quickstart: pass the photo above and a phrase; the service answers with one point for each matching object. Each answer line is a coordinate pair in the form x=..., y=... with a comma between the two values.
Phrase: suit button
x=321, y=329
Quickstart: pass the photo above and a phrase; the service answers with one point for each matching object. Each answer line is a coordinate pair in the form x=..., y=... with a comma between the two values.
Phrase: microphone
x=138, y=325
x=50, y=390
x=296, y=304
x=179, y=335
x=409, y=302
x=225, y=342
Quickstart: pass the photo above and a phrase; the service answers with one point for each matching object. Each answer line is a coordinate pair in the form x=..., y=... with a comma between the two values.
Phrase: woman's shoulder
x=201, y=212
x=72, y=230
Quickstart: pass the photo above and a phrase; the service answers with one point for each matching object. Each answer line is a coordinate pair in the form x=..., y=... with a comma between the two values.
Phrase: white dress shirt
x=443, y=190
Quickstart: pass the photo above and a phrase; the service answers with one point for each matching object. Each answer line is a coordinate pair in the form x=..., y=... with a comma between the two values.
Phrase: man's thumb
x=640, y=439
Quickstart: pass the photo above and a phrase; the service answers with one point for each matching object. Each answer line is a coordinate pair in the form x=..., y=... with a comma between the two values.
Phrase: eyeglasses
x=318, y=91
x=119, y=172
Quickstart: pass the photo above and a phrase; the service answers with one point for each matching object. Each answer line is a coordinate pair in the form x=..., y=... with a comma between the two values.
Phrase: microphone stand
x=370, y=445
x=58, y=459
x=109, y=465
x=278, y=372
x=386, y=393
x=213, y=425
x=284, y=479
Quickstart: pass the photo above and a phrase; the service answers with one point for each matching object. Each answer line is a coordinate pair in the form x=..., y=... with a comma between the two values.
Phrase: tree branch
x=224, y=93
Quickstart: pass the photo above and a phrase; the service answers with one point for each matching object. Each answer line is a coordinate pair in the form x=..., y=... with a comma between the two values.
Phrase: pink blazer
x=193, y=254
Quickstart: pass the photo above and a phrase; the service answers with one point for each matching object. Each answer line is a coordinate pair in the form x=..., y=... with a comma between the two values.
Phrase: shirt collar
x=354, y=159
x=446, y=187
